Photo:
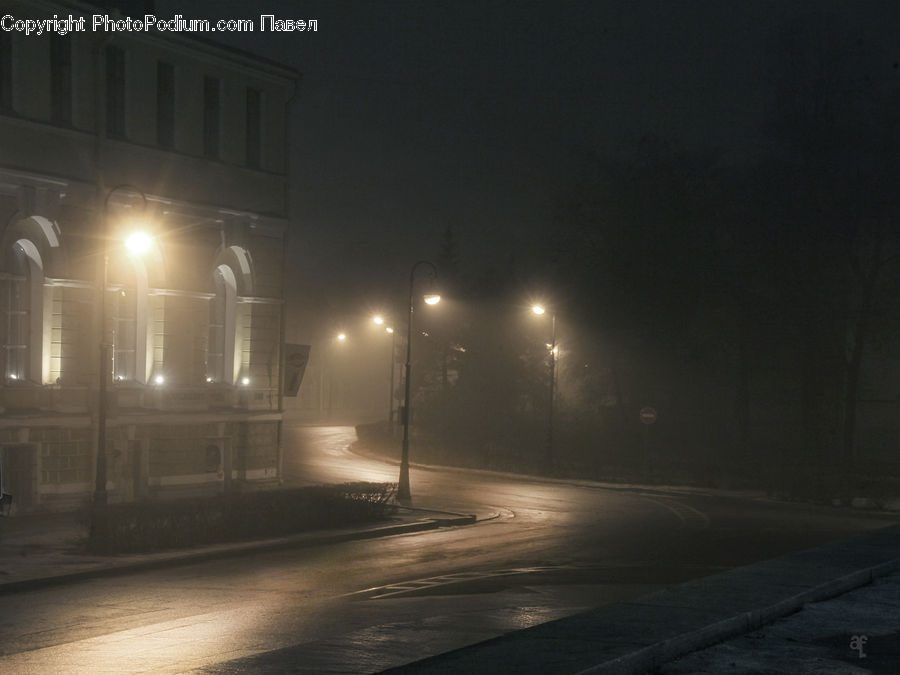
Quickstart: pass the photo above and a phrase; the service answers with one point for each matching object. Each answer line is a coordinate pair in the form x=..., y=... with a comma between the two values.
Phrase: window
x=165, y=104
x=115, y=92
x=220, y=350
x=211, y=116
x=5, y=71
x=17, y=319
x=61, y=79
x=125, y=336
x=254, y=127
x=24, y=313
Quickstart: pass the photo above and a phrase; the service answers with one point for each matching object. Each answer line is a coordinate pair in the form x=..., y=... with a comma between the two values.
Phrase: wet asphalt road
x=554, y=548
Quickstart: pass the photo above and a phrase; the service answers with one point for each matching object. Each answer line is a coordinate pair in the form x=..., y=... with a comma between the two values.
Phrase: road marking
x=688, y=515
x=404, y=587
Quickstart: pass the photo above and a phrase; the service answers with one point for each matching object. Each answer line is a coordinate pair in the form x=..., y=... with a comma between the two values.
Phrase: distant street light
x=431, y=299
x=553, y=349
x=136, y=243
x=379, y=321
x=327, y=380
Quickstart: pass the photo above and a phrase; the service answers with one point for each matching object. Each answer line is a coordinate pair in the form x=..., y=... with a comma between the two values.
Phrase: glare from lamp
x=537, y=309
x=432, y=299
x=159, y=379
x=342, y=336
x=378, y=320
x=388, y=329
x=245, y=381
x=138, y=243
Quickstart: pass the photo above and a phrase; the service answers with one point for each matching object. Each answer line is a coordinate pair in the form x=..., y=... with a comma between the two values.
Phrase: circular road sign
x=648, y=415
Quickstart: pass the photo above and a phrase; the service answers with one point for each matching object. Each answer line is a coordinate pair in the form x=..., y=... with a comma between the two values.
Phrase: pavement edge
x=231, y=551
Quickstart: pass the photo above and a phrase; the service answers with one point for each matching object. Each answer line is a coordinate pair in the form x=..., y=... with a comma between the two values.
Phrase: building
x=102, y=135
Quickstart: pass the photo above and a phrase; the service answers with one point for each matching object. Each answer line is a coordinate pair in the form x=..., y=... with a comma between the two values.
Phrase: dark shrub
x=151, y=526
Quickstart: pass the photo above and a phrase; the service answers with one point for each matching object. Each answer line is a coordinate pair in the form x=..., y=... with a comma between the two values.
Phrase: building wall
x=62, y=188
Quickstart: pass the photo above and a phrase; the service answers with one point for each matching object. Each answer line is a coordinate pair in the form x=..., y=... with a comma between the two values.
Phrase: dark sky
x=418, y=115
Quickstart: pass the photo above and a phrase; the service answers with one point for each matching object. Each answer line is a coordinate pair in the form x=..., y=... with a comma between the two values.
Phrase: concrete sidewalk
x=644, y=634
x=46, y=549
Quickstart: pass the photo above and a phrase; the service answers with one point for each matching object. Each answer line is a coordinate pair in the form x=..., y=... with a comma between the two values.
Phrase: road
x=552, y=548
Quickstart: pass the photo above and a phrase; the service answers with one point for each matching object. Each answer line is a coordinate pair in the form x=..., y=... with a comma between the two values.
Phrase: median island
x=143, y=527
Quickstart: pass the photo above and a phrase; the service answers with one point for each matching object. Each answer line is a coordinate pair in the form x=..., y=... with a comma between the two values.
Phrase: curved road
x=545, y=549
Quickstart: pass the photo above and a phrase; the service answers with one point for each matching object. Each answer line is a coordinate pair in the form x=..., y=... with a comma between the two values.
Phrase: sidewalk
x=645, y=634
x=45, y=549
x=858, y=632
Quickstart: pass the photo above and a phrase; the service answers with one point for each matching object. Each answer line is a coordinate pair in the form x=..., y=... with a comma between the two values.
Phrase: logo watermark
x=858, y=644
x=150, y=23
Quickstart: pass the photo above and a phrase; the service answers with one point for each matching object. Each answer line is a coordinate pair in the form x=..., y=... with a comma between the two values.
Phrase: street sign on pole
x=648, y=415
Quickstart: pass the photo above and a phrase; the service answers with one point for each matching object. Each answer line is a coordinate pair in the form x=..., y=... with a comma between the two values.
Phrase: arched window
x=24, y=313
x=129, y=322
x=125, y=335
x=222, y=316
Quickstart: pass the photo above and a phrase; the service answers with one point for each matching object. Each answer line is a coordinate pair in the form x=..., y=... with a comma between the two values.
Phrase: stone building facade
x=103, y=135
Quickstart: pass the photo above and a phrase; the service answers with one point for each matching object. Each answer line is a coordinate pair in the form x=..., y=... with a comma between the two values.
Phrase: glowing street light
x=431, y=299
x=341, y=336
x=553, y=348
x=136, y=243
x=378, y=320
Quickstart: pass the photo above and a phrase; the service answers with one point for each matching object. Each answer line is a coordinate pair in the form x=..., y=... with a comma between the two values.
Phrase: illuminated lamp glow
x=138, y=243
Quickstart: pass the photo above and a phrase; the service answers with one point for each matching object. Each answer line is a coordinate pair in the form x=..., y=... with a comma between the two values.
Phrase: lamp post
x=403, y=485
x=137, y=242
x=548, y=459
x=379, y=321
x=329, y=369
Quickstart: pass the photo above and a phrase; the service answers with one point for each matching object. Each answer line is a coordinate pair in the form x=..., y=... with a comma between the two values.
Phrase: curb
x=234, y=550
x=663, y=652
x=890, y=506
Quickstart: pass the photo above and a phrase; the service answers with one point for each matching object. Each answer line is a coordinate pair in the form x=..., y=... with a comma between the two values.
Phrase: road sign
x=648, y=415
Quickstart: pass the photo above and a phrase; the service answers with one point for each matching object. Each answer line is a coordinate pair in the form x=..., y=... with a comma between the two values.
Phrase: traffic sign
x=648, y=415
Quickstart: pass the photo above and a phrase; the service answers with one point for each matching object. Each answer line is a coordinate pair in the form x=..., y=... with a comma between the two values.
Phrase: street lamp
x=539, y=310
x=136, y=243
x=378, y=320
x=431, y=299
x=327, y=379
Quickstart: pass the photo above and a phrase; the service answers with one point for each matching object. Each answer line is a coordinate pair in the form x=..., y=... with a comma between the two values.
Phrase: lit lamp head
x=388, y=329
x=432, y=299
x=378, y=320
x=341, y=337
x=138, y=243
x=538, y=309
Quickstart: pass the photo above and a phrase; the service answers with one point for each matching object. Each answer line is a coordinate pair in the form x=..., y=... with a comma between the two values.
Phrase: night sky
x=480, y=116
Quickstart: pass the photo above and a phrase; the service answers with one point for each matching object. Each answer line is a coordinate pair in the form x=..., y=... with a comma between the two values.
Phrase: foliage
x=159, y=525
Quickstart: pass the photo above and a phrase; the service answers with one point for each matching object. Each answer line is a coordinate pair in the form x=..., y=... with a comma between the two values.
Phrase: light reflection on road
x=567, y=548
